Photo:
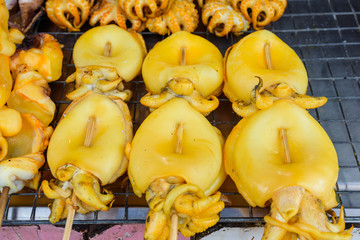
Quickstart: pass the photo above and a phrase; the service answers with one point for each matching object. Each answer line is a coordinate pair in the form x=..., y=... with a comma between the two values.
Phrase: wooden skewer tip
x=174, y=227
x=285, y=144
x=3, y=201
x=70, y=219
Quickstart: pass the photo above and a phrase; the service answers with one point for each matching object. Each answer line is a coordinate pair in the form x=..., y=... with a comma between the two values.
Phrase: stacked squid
x=279, y=155
x=179, y=170
x=167, y=16
x=25, y=106
x=162, y=16
x=87, y=149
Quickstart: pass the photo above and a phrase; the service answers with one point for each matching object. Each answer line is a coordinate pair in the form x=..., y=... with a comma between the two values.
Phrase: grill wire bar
x=324, y=33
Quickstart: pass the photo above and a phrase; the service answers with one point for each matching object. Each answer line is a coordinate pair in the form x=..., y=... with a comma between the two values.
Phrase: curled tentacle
x=195, y=211
x=155, y=101
x=304, y=215
x=181, y=86
x=85, y=188
x=307, y=102
x=58, y=11
x=157, y=226
x=202, y=104
x=97, y=79
x=57, y=209
x=65, y=172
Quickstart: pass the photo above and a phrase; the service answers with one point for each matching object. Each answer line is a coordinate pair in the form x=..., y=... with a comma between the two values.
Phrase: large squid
x=183, y=65
x=178, y=170
x=261, y=69
x=283, y=157
x=87, y=150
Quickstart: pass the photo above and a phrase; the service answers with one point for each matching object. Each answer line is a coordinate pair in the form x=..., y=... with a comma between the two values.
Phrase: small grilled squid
x=112, y=11
x=69, y=14
x=86, y=151
x=183, y=65
x=23, y=138
x=44, y=56
x=221, y=19
x=178, y=170
x=261, y=69
x=281, y=155
x=260, y=12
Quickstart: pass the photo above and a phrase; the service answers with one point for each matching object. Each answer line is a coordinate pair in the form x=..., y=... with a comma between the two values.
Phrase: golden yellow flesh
x=32, y=138
x=8, y=38
x=200, y=162
x=247, y=59
x=31, y=95
x=46, y=59
x=104, y=158
x=5, y=79
x=254, y=156
x=203, y=64
x=127, y=50
x=10, y=122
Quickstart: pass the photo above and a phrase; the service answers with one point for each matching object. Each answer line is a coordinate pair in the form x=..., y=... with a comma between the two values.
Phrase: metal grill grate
x=324, y=33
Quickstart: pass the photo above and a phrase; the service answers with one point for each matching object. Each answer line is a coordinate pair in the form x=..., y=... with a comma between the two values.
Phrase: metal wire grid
x=324, y=33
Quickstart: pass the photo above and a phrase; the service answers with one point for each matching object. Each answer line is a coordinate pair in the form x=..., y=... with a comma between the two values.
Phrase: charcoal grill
x=326, y=36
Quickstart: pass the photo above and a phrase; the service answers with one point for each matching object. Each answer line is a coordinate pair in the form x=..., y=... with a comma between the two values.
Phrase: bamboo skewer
x=107, y=50
x=3, y=201
x=70, y=219
x=179, y=137
x=183, y=56
x=285, y=144
x=174, y=227
x=268, y=56
x=89, y=136
x=174, y=217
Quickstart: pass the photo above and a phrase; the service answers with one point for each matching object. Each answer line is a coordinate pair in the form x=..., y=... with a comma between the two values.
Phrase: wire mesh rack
x=326, y=36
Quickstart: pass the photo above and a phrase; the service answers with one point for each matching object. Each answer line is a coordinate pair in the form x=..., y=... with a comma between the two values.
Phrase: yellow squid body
x=203, y=64
x=153, y=151
x=105, y=157
x=254, y=156
x=246, y=60
x=126, y=55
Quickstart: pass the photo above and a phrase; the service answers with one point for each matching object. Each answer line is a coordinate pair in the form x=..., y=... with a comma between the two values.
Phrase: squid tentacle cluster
x=184, y=88
x=74, y=181
x=79, y=10
x=195, y=211
x=222, y=19
x=112, y=11
x=263, y=98
x=180, y=16
x=296, y=212
x=99, y=79
x=143, y=9
x=260, y=12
